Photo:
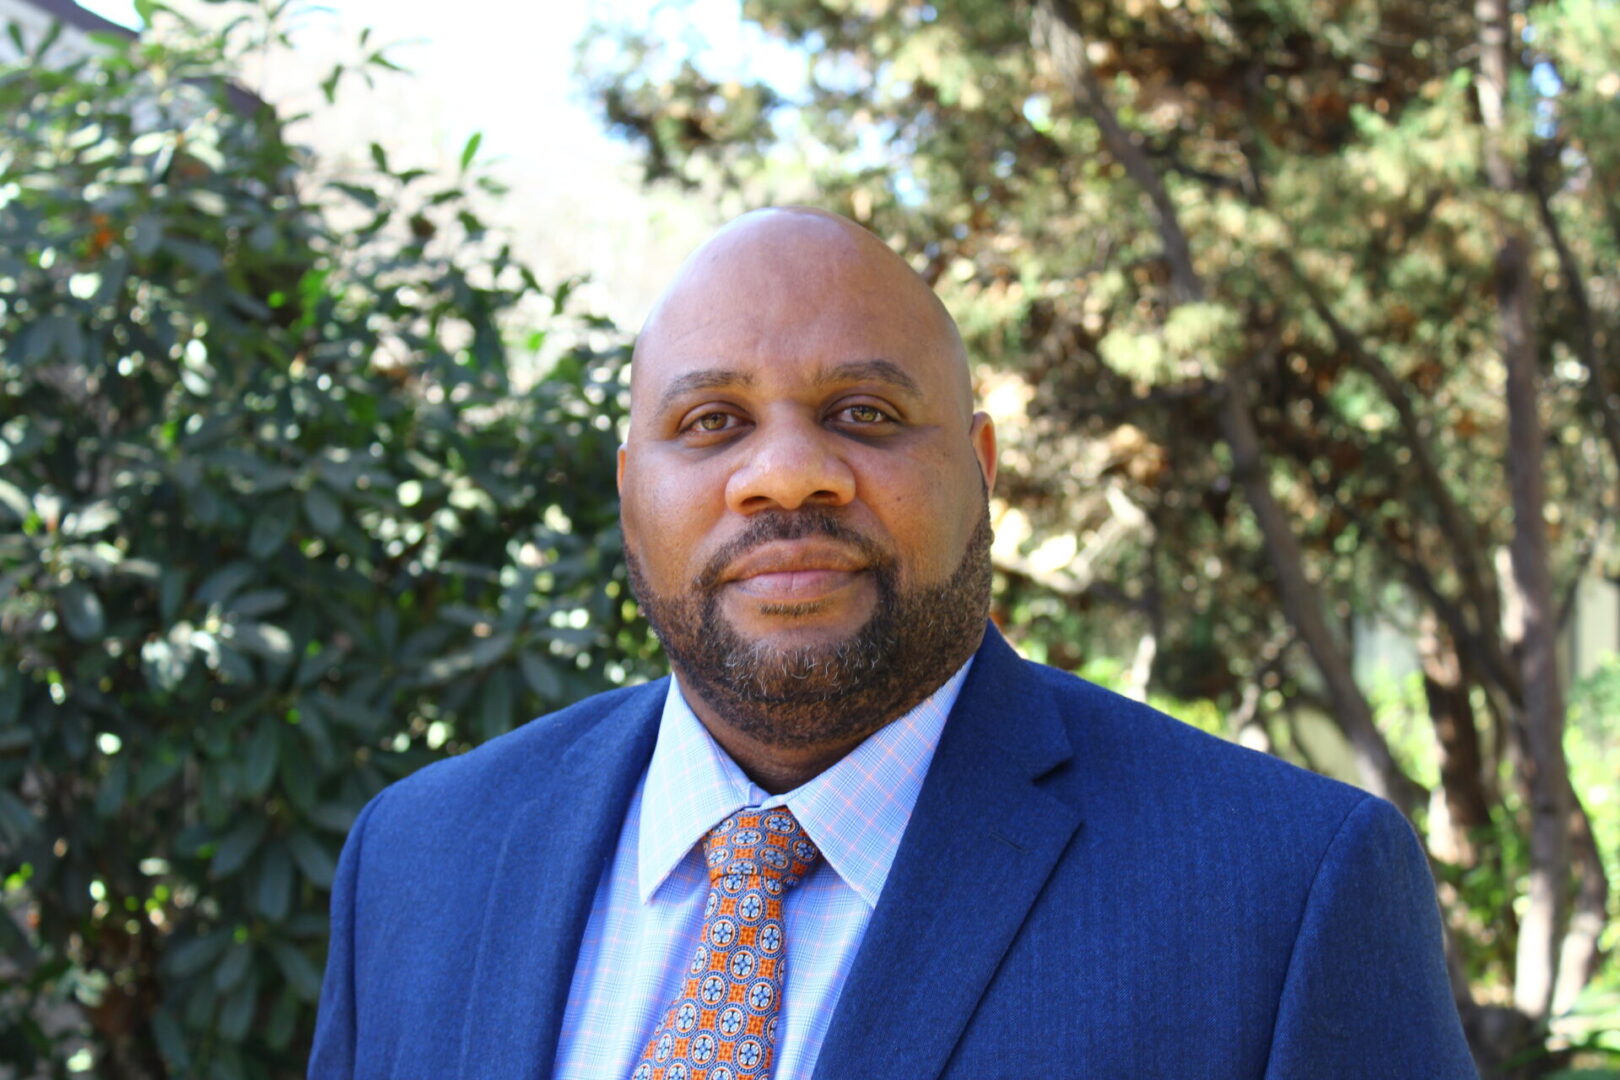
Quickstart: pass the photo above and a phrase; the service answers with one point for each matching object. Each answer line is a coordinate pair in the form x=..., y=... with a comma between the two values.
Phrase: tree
x=1313, y=306
x=282, y=518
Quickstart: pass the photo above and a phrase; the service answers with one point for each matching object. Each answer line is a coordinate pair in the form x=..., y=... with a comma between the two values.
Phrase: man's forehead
x=782, y=282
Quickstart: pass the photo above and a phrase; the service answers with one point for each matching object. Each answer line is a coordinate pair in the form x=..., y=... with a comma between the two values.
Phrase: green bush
x=279, y=523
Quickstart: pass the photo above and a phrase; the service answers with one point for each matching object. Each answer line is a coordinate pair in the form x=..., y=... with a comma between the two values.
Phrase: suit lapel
x=544, y=881
x=981, y=842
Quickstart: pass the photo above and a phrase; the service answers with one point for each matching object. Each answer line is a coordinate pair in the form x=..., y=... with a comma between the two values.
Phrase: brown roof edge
x=71, y=14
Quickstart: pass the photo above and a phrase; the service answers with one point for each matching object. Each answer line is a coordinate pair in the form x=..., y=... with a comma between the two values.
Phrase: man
x=856, y=836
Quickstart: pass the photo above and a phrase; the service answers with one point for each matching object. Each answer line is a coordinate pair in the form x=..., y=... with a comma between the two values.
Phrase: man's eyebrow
x=875, y=370
x=707, y=379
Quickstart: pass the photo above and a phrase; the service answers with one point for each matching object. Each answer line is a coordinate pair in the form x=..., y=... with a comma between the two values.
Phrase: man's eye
x=711, y=422
x=863, y=414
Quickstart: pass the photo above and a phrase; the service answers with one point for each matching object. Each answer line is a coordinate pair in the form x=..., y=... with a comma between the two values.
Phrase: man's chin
x=800, y=668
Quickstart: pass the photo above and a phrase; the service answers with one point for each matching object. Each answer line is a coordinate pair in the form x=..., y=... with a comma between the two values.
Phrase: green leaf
x=200, y=257
x=380, y=59
x=298, y=776
x=284, y=1016
x=362, y=195
x=264, y=640
x=145, y=235
x=273, y=897
x=497, y=711
x=330, y=83
x=161, y=766
x=271, y=527
x=258, y=602
x=81, y=612
x=236, y=1014
x=541, y=675
x=301, y=973
x=164, y=663
x=170, y=1042
x=171, y=593
x=236, y=847
x=230, y=971
x=232, y=666
x=464, y=661
x=259, y=766
x=13, y=499
x=379, y=157
x=334, y=817
x=190, y=957
x=113, y=788
x=322, y=511
x=15, y=944
x=224, y=583
x=42, y=48
x=314, y=860
x=16, y=822
x=89, y=520
x=470, y=150
x=200, y=1007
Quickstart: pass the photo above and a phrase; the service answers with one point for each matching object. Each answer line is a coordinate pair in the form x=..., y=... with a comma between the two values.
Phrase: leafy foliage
x=280, y=521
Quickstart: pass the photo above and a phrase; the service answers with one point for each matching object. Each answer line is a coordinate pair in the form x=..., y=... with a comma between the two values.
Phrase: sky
x=576, y=205
x=508, y=76
x=456, y=54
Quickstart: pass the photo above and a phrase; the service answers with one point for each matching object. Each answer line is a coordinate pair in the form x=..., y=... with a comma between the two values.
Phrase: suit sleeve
x=1366, y=995
x=333, y=1055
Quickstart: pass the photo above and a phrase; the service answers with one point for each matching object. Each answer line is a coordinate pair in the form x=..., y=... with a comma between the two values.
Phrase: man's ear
x=982, y=434
x=618, y=479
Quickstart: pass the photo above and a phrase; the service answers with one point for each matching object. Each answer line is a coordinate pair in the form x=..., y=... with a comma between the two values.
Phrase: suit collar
x=982, y=842
x=555, y=850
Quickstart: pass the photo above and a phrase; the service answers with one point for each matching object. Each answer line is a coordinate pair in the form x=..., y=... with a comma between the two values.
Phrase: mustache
x=772, y=525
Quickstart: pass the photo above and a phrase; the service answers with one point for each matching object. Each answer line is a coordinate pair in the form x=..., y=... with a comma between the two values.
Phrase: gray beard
x=914, y=640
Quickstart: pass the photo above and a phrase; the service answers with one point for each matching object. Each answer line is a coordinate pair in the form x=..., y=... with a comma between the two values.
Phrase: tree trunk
x=1578, y=961
x=1541, y=721
x=1464, y=807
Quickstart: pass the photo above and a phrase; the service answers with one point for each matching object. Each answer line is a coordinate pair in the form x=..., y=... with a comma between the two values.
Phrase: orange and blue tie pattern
x=722, y=1026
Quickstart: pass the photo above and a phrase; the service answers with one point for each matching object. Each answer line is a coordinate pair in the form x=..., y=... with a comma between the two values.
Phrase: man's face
x=803, y=485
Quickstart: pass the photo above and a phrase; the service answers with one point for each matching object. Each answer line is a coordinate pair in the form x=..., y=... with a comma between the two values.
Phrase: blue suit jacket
x=1087, y=888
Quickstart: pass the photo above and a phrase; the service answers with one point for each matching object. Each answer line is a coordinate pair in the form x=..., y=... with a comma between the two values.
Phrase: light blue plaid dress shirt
x=648, y=909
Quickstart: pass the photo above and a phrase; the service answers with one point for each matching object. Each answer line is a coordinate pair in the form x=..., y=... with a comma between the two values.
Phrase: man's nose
x=787, y=464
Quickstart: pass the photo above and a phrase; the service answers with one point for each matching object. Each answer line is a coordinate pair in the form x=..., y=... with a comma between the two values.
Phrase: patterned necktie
x=722, y=1025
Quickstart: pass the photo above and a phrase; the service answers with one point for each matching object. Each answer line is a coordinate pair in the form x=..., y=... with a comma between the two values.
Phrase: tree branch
x=1479, y=586
x=1303, y=605
x=1057, y=33
x=1598, y=390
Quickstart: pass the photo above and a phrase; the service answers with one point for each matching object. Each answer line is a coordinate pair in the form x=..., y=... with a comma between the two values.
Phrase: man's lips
x=794, y=571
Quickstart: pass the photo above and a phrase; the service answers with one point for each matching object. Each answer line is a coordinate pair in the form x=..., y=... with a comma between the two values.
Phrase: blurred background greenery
x=1298, y=317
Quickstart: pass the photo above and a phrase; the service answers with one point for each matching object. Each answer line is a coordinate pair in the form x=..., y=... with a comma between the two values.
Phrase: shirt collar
x=855, y=812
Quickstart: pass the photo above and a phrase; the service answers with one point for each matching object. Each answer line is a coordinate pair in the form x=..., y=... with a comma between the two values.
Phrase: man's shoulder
x=1135, y=756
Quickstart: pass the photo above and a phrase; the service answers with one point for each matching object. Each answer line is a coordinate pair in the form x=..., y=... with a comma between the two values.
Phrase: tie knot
x=756, y=848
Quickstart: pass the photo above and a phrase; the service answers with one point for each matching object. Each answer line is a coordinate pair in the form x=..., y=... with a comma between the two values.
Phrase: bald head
x=805, y=268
